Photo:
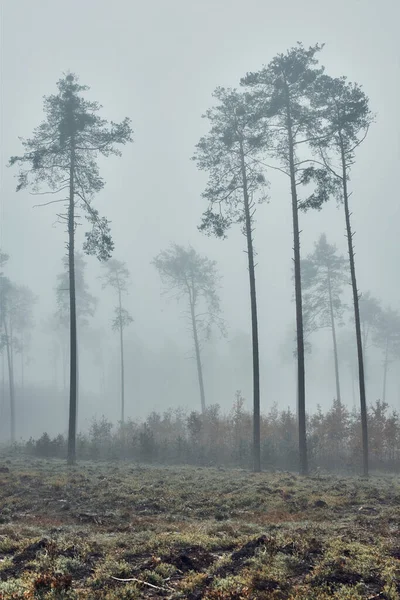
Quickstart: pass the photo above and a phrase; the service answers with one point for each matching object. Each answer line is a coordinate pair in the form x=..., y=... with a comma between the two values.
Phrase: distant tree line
x=212, y=438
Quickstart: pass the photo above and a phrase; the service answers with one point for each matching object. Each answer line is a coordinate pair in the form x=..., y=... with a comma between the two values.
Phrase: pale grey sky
x=158, y=62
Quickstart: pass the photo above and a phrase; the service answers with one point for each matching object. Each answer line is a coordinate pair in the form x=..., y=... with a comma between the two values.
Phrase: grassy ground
x=194, y=533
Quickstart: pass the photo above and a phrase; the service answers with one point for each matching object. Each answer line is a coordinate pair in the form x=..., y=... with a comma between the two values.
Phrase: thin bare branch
x=154, y=587
x=51, y=202
x=49, y=192
x=359, y=141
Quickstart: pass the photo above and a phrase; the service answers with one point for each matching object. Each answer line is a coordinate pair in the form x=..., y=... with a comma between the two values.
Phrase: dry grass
x=194, y=533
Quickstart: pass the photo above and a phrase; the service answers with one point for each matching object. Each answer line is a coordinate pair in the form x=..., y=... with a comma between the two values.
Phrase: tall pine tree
x=230, y=154
x=61, y=156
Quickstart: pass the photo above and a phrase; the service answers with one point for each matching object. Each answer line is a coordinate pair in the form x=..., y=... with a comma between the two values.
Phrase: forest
x=292, y=117
x=189, y=408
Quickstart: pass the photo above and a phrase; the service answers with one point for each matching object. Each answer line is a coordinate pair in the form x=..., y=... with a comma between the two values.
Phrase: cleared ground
x=194, y=533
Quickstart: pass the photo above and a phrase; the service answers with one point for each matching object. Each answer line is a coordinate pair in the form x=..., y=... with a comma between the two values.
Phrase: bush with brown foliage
x=217, y=439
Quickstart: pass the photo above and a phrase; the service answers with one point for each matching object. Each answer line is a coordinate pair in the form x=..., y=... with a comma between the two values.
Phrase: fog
x=158, y=63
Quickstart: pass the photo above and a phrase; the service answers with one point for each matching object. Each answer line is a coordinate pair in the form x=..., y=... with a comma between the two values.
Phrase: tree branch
x=49, y=192
x=154, y=587
x=51, y=202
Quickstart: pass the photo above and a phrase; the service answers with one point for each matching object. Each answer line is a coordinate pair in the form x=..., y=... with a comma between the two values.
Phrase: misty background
x=158, y=63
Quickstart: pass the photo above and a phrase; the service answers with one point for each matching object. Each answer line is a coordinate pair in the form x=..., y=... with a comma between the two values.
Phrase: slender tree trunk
x=121, y=345
x=353, y=387
x=77, y=376
x=3, y=379
x=103, y=375
x=22, y=365
x=364, y=339
x=361, y=376
x=10, y=382
x=13, y=372
x=254, y=320
x=121, y=334
x=335, y=350
x=64, y=365
x=55, y=365
x=12, y=348
x=72, y=301
x=299, y=303
x=198, y=356
x=385, y=369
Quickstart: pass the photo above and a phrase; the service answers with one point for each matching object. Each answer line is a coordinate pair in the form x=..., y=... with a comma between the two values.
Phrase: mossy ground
x=194, y=533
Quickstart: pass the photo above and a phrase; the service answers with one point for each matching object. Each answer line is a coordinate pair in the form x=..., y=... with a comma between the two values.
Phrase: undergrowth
x=192, y=532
